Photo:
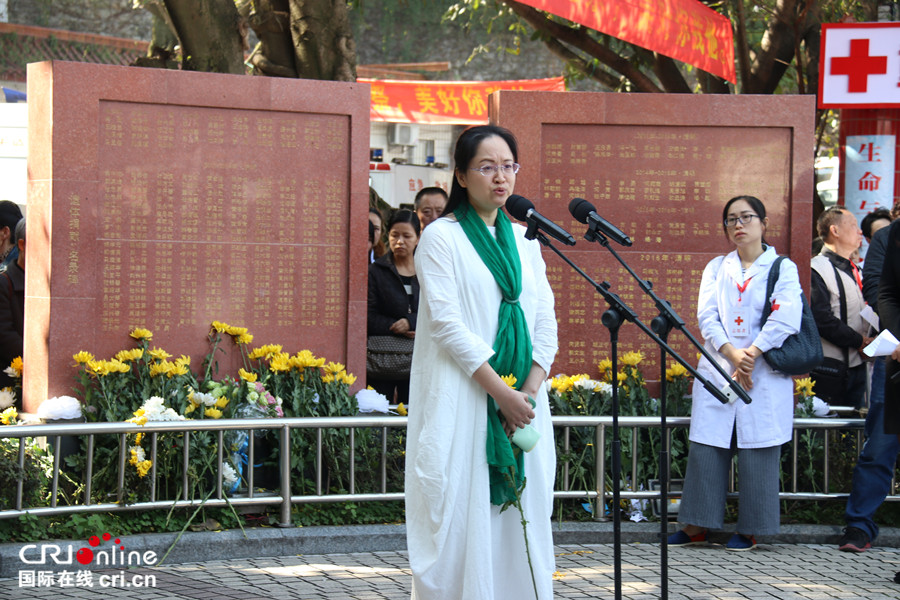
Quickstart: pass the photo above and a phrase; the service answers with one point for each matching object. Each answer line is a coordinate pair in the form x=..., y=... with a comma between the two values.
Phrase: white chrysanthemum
x=7, y=398
x=820, y=407
x=205, y=399
x=586, y=384
x=229, y=475
x=139, y=454
x=155, y=410
x=603, y=387
x=372, y=401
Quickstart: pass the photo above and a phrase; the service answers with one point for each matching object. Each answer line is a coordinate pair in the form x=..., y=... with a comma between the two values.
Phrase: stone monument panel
x=177, y=209
x=661, y=169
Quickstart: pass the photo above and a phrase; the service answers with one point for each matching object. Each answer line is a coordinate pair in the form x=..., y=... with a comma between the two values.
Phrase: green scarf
x=512, y=347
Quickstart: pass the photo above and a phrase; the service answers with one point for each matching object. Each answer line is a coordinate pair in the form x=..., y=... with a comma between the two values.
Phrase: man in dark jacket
x=874, y=468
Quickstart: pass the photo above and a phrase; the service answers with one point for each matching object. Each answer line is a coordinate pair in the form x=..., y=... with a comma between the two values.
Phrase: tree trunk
x=270, y=20
x=209, y=30
x=323, y=40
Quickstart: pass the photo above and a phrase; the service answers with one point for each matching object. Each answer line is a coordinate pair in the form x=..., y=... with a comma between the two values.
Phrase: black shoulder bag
x=831, y=376
x=801, y=351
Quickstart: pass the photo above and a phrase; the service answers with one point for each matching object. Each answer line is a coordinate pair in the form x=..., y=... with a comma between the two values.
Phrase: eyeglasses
x=491, y=170
x=743, y=220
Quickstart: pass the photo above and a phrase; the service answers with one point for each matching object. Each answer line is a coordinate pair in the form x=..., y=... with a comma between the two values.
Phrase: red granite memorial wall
x=167, y=200
x=661, y=168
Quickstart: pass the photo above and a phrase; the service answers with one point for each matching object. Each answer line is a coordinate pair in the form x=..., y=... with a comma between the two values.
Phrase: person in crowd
x=836, y=290
x=430, y=203
x=12, y=306
x=371, y=240
x=729, y=311
x=487, y=311
x=889, y=311
x=874, y=468
x=873, y=222
x=817, y=244
x=10, y=215
x=377, y=220
x=394, y=295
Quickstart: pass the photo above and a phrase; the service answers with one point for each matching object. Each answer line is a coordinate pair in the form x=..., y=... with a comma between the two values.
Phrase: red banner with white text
x=685, y=30
x=444, y=102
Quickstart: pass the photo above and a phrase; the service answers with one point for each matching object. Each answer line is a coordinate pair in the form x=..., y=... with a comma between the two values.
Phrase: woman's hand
x=743, y=360
x=400, y=327
x=516, y=409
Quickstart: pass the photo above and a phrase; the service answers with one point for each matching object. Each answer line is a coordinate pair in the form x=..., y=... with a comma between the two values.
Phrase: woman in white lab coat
x=729, y=311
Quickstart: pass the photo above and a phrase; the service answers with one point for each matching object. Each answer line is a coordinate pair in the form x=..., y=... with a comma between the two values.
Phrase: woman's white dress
x=460, y=545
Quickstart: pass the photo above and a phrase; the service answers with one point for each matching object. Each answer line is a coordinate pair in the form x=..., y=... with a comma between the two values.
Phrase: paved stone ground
x=776, y=571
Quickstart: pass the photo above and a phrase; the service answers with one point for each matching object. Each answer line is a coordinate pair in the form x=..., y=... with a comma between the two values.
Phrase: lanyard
x=742, y=288
x=855, y=270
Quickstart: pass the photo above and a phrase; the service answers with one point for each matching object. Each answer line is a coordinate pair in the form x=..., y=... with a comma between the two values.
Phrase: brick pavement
x=775, y=571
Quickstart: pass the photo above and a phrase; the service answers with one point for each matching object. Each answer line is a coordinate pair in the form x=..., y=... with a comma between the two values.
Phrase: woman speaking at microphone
x=485, y=312
x=729, y=312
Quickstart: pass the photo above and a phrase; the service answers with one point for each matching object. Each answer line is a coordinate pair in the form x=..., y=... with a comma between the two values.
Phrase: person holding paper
x=729, y=313
x=486, y=311
x=837, y=304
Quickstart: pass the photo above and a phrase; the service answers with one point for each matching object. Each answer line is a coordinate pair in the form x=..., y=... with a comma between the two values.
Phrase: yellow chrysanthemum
x=305, y=358
x=222, y=402
x=134, y=457
x=604, y=365
x=247, y=376
x=83, y=357
x=328, y=378
x=183, y=360
x=509, y=380
x=244, y=338
x=138, y=438
x=236, y=331
x=622, y=377
x=676, y=370
x=159, y=354
x=213, y=412
x=632, y=358
x=220, y=326
x=347, y=378
x=138, y=419
x=191, y=408
x=804, y=387
x=280, y=362
x=163, y=367
x=178, y=369
x=140, y=333
x=98, y=367
x=334, y=368
x=265, y=351
x=401, y=410
x=9, y=416
x=144, y=467
x=127, y=355
x=562, y=384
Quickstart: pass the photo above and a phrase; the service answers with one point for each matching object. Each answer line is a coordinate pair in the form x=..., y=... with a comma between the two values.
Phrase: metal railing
x=284, y=499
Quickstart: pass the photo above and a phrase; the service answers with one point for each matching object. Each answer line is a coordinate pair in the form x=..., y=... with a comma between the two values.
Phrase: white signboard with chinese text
x=860, y=65
x=869, y=173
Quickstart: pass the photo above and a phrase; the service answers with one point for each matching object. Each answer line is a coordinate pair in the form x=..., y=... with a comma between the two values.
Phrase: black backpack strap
x=774, y=272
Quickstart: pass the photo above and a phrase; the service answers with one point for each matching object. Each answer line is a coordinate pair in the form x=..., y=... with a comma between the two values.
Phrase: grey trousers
x=706, y=483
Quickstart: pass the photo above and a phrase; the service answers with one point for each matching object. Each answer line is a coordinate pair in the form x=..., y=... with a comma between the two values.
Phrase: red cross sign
x=860, y=65
x=738, y=321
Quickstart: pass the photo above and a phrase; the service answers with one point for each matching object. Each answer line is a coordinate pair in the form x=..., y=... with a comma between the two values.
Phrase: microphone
x=584, y=212
x=523, y=210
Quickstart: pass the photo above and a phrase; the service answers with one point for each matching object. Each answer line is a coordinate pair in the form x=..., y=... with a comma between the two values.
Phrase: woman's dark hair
x=405, y=216
x=756, y=204
x=466, y=149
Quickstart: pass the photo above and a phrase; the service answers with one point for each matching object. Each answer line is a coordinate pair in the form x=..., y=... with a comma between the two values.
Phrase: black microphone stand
x=662, y=325
x=612, y=319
